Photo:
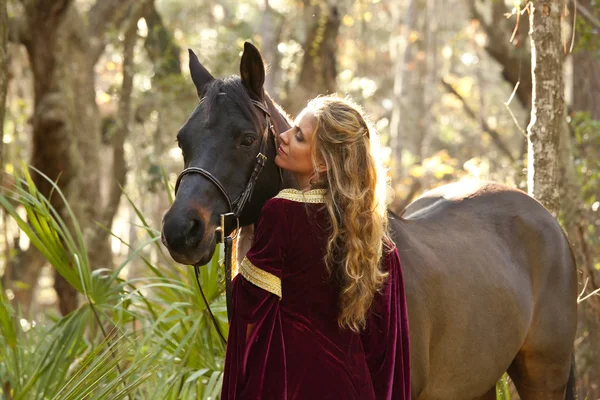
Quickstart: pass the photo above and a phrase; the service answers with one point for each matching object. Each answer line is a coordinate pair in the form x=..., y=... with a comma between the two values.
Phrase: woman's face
x=294, y=152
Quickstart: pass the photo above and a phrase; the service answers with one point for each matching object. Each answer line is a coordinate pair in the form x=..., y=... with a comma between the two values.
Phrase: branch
x=103, y=16
x=486, y=128
x=515, y=66
x=581, y=296
x=587, y=14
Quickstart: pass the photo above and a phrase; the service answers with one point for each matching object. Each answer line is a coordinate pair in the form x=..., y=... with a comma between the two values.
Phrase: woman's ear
x=321, y=164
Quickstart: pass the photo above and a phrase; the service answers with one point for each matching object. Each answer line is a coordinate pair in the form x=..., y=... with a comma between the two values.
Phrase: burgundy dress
x=284, y=339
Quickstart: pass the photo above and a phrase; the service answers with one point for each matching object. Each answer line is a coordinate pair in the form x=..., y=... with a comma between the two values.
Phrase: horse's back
x=481, y=262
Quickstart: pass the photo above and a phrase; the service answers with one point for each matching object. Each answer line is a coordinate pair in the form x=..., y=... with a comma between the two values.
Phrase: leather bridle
x=235, y=207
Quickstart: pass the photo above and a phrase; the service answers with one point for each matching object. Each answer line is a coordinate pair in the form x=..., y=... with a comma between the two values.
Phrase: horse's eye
x=248, y=141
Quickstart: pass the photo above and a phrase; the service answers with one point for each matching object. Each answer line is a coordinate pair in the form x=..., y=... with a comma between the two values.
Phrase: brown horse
x=490, y=278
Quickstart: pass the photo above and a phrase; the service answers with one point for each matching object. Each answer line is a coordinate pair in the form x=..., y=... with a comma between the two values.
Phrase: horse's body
x=491, y=286
x=490, y=279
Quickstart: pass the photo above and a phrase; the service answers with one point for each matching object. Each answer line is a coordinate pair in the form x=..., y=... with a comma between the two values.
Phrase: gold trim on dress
x=263, y=279
x=316, y=196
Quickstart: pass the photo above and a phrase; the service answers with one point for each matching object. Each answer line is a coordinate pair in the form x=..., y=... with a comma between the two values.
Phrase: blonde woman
x=318, y=306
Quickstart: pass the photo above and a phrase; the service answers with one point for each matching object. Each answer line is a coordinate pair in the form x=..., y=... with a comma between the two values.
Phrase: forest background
x=95, y=92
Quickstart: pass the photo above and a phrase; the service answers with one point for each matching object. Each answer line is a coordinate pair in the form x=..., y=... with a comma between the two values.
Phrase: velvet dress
x=284, y=339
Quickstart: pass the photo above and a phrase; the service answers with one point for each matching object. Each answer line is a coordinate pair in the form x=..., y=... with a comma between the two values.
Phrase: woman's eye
x=248, y=141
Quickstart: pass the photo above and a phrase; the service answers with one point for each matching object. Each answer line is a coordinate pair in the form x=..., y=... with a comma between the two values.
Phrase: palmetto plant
x=149, y=337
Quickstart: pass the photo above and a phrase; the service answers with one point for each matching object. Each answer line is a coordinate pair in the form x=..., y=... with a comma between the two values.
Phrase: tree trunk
x=319, y=69
x=547, y=111
x=66, y=122
x=3, y=78
x=409, y=114
x=271, y=32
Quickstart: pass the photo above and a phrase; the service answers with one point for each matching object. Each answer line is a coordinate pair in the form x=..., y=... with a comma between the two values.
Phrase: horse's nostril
x=182, y=235
x=194, y=232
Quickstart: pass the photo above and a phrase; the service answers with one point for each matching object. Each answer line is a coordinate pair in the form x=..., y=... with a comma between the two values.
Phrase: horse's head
x=221, y=142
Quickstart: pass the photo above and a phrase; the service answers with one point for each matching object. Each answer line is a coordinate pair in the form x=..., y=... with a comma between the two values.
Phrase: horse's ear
x=252, y=70
x=200, y=75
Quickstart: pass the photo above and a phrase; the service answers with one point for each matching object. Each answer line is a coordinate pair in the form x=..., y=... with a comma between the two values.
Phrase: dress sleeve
x=385, y=338
x=263, y=264
x=255, y=336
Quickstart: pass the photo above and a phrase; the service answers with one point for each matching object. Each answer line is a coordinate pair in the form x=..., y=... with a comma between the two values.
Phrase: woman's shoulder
x=313, y=196
x=293, y=198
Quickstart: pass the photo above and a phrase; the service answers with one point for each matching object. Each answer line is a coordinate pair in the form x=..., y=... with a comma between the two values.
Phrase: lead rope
x=214, y=320
x=228, y=244
x=228, y=250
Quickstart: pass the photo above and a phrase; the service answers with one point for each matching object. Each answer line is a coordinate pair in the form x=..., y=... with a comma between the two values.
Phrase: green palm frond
x=145, y=337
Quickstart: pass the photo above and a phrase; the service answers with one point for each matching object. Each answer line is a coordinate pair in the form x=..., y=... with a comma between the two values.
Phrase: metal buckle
x=261, y=157
x=221, y=229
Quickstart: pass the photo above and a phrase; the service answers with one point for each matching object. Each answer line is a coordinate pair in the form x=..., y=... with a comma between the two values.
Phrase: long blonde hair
x=346, y=144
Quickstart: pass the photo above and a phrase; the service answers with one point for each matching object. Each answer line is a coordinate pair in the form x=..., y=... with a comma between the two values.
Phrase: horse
x=490, y=278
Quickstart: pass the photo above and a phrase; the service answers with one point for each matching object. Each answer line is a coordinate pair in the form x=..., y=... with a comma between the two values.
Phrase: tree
x=508, y=46
x=3, y=71
x=408, y=116
x=547, y=111
x=271, y=28
x=318, y=73
x=579, y=188
x=63, y=51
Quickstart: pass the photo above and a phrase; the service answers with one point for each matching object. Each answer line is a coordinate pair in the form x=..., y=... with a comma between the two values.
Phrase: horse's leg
x=537, y=377
x=491, y=395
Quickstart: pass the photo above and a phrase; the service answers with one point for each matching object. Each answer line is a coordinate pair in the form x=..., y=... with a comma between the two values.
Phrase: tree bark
x=547, y=111
x=64, y=106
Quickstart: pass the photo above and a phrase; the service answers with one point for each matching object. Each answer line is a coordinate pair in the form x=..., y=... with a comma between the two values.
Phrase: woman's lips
x=280, y=150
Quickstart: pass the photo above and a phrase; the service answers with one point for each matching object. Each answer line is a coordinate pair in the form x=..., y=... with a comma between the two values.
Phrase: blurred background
x=97, y=90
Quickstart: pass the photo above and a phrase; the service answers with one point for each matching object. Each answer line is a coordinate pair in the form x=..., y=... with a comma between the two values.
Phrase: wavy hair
x=348, y=147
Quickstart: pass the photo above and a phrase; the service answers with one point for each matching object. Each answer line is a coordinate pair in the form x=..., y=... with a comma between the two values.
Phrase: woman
x=318, y=306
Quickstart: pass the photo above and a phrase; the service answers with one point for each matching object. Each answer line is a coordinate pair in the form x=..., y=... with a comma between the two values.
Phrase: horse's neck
x=282, y=122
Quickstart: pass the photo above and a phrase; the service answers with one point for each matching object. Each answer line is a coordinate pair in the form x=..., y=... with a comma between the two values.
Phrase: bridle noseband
x=235, y=208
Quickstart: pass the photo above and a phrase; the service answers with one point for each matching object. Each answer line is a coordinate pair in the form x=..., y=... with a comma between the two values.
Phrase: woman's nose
x=284, y=136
